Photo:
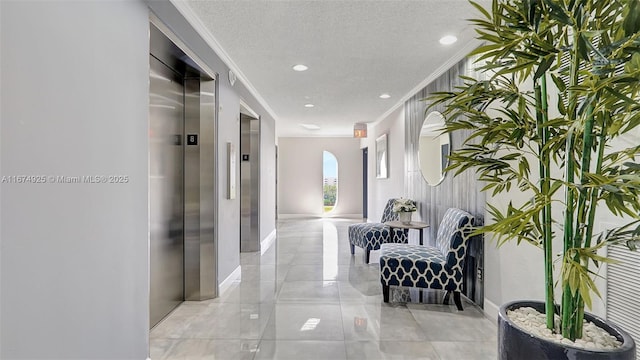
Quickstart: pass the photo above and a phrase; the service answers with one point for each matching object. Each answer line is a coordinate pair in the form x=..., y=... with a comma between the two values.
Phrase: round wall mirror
x=433, y=150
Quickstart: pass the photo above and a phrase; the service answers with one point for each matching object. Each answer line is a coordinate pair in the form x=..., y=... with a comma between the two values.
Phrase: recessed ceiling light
x=385, y=96
x=448, y=40
x=309, y=105
x=300, y=67
x=310, y=126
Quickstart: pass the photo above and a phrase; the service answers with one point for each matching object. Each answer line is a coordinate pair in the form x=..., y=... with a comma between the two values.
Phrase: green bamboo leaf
x=484, y=49
x=543, y=67
x=621, y=96
x=589, y=45
x=614, y=127
x=632, y=165
x=582, y=49
x=530, y=54
x=634, y=63
x=574, y=279
x=610, y=188
x=559, y=83
x=561, y=106
x=593, y=287
x=516, y=68
x=631, y=23
x=597, y=178
x=590, y=34
x=481, y=9
x=595, y=257
x=488, y=187
x=555, y=186
x=586, y=296
x=557, y=13
x=488, y=37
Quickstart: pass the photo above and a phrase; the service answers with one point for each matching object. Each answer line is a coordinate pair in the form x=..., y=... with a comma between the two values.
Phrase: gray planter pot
x=516, y=344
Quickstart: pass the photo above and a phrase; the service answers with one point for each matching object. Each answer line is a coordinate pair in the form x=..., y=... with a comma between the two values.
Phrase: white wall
x=267, y=177
x=511, y=272
x=74, y=257
x=300, y=175
x=381, y=190
x=514, y=272
x=228, y=209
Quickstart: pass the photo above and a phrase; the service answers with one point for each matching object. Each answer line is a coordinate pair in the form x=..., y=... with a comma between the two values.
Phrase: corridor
x=307, y=297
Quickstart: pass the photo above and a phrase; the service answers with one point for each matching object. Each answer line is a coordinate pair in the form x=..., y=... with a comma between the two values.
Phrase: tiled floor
x=307, y=297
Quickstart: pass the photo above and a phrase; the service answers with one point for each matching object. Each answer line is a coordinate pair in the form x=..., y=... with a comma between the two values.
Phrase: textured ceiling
x=355, y=51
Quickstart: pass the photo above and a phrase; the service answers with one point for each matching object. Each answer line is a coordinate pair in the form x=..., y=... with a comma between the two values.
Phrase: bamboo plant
x=583, y=57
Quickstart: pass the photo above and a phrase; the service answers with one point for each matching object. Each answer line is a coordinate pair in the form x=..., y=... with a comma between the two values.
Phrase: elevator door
x=249, y=184
x=166, y=189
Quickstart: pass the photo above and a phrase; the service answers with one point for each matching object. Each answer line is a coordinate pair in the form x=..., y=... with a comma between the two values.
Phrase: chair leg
x=353, y=249
x=366, y=255
x=446, y=298
x=456, y=299
x=385, y=293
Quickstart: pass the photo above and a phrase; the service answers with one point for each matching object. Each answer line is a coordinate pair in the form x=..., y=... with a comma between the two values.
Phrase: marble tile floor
x=307, y=297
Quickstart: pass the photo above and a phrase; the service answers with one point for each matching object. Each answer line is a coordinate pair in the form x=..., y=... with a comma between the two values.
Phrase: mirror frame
x=445, y=149
x=382, y=157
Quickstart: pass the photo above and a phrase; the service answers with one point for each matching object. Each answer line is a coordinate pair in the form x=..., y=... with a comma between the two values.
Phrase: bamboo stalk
x=544, y=167
x=579, y=240
x=590, y=223
x=568, y=240
x=568, y=318
x=584, y=168
x=594, y=192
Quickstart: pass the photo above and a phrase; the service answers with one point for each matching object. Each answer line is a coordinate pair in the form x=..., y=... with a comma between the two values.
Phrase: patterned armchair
x=370, y=236
x=439, y=267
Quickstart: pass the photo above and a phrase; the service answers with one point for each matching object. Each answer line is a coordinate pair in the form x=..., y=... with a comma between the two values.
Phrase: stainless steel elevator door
x=249, y=184
x=166, y=189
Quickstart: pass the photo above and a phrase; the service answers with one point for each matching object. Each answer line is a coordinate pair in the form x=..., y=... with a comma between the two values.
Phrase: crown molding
x=193, y=19
x=457, y=57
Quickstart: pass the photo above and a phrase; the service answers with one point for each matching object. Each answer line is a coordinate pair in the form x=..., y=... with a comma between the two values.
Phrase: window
x=330, y=180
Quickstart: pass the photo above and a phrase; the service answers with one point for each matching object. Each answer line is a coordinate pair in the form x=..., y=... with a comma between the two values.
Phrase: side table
x=417, y=225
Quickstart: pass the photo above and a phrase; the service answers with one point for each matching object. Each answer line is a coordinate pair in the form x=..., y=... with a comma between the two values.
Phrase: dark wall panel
x=462, y=191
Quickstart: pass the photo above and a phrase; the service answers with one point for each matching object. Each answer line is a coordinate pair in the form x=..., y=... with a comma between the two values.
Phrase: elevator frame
x=201, y=200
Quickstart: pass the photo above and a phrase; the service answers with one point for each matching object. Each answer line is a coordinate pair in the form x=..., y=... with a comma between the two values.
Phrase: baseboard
x=491, y=310
x=318, y=216
x=266, y=243
x=297, y=216
x=344, y=216
x=225, y=285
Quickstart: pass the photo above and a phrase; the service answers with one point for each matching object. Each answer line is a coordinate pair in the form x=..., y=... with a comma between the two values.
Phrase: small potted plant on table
x=404, y=208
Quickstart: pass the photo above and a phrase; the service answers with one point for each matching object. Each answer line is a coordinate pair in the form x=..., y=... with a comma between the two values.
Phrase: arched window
x=330, y=180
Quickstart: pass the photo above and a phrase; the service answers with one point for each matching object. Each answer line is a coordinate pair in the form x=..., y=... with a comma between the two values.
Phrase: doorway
x=249, y=180
x=182, y=178
x=365, y=182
